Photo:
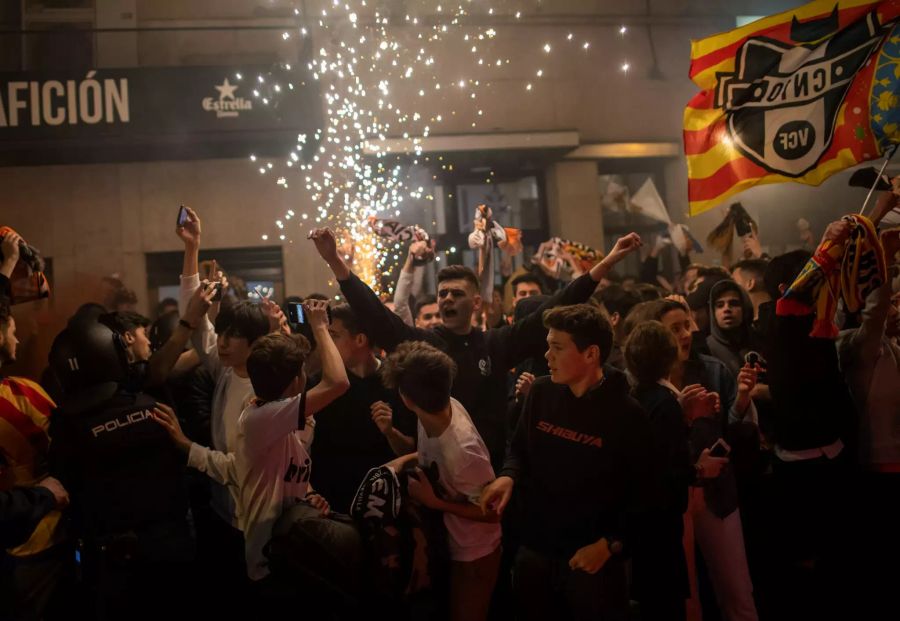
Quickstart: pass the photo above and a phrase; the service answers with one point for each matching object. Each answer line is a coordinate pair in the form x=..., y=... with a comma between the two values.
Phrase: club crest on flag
x=782, y=101
x=797, y=96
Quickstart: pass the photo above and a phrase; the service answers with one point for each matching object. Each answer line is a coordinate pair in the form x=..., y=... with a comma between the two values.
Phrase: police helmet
x=162, y=329
x=90, y=361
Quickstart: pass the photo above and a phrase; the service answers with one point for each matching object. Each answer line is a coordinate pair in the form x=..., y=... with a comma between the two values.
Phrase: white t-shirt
x=219, y=464
x=273, y=468
x=464, y=468
x=237, y=396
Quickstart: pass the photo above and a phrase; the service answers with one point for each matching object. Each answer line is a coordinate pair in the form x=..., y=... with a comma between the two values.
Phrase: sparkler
x=363, y=59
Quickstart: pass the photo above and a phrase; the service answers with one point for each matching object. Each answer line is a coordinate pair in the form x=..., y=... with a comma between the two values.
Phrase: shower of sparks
x=382, y=76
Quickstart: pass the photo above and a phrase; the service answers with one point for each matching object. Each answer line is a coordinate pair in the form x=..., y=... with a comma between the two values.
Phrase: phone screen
x=719, y=449
x=295, y=313
x=182, y=216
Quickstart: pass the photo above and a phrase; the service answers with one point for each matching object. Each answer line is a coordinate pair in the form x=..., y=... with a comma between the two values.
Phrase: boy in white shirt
x=449, y=444
x=270, y=466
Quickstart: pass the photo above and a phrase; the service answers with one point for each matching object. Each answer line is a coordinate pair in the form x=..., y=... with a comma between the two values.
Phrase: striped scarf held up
x=848, y=271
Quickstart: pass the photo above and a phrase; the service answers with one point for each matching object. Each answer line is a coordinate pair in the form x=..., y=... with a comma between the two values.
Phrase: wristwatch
x=615, y=546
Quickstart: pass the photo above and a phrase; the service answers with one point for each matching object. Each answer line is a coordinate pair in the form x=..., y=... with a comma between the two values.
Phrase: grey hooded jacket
x=730, y=346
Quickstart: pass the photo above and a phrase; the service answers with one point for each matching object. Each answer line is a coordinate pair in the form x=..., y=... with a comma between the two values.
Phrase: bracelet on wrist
x=184, y=323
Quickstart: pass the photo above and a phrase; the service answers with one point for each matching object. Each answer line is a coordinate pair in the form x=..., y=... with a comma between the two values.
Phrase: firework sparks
x=382, y=76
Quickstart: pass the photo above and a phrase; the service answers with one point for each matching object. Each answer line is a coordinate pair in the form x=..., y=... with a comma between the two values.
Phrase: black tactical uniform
x=125, y=479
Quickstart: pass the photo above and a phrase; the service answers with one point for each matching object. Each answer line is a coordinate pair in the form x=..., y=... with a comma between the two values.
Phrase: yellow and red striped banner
x=797, y=96
x=25, y=411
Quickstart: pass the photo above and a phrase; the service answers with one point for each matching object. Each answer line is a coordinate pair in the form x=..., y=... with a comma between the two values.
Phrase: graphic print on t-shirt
x=484, y=365
x=570, y=434
x=300, y=472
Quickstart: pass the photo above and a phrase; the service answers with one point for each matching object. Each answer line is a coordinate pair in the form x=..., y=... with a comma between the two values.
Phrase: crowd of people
x=718, y=444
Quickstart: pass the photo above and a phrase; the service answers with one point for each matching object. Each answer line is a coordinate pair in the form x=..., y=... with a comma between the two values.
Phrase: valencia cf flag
x=797, y=96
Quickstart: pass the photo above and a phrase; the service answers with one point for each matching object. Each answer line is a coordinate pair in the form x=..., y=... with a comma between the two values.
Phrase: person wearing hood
x=731, y=324
x=698, y=302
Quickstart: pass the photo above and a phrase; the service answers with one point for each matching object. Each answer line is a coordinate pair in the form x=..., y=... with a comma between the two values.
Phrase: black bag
x=324, y=553
x=406, y=543
x=376, y=508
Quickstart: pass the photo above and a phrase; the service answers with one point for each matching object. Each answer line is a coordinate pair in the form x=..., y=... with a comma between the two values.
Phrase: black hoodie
x=582, y=465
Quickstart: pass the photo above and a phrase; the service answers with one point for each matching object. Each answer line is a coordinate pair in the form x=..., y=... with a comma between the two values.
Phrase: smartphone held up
x=212, y=274
x=295, y=313
x=720, y=449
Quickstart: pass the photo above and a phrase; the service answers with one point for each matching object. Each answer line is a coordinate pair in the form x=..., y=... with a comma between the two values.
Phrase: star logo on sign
x=226, y=90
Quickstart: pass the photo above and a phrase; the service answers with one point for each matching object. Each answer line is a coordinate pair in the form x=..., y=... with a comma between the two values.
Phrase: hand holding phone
x=295, y=313
x=214, y=276
x=720, y=449
x=756, y=361
x=317, y=313
x=710, y=466
x=742, y=227
x=187, y=226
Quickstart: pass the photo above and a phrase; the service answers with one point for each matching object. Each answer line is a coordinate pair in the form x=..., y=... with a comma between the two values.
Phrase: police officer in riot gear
x=125, y=478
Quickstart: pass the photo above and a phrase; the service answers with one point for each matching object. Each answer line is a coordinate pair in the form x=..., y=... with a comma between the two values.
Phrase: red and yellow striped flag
x=797, y=96
x=25, y=411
